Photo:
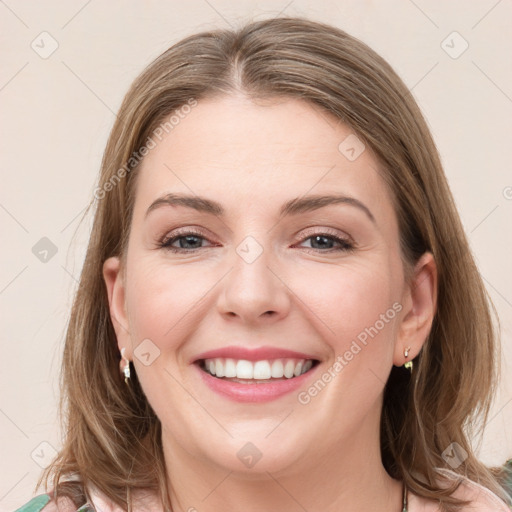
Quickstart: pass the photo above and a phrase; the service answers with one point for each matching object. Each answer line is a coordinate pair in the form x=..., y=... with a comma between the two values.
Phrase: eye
x=188, y=241
x=324, y=241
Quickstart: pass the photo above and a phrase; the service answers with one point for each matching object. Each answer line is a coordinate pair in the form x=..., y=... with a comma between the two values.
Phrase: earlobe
x=420, y=300
x=114, y=282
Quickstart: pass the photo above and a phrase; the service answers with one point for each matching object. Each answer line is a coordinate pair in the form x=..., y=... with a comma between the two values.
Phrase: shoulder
x=143, y=501
x=45, y=503
x=481, y=499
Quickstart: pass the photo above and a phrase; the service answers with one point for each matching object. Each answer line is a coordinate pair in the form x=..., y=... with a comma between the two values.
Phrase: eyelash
x=346, y=244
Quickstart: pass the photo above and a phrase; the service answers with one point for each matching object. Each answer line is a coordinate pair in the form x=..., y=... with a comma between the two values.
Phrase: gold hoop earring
x=408, y=364
x=124, y=366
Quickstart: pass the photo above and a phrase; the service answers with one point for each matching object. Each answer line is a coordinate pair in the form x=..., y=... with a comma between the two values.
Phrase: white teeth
x=257, y=370
x=289, y=368
x=229, y=368
x=219, y=368
x=277, y=370
x=307, y=366
x=244, y=369
x=261, y=370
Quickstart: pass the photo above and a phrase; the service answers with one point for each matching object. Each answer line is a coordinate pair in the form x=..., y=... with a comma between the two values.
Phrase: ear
x=114, y=280
x=419, y=306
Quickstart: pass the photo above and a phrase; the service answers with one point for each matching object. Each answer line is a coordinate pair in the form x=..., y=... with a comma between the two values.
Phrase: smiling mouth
x=256, y=372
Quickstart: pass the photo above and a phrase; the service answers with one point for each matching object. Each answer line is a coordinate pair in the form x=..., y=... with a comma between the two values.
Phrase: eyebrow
x=292, y=207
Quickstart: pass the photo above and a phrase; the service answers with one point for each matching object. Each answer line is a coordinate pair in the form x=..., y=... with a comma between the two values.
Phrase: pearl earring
x=408, y=364
x=124, y=366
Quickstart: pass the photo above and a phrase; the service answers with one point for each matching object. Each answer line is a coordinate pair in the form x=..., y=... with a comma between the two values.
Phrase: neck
x=350, y=477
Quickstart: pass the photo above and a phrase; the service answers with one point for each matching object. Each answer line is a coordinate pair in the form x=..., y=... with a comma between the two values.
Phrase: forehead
x=253, y=153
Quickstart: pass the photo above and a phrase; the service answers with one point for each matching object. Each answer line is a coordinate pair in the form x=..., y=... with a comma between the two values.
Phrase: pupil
x=189, y=239
x=321, y=237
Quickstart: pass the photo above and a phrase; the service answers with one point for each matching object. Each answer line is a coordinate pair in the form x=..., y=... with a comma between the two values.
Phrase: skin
x=298, y=295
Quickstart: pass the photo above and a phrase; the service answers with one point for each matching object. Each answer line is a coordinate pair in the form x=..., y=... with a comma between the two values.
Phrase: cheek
x=356, y=310
x=348, y=300
x=161, y=299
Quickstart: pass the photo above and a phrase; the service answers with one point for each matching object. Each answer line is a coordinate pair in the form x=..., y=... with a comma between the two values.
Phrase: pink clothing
x=481, y=499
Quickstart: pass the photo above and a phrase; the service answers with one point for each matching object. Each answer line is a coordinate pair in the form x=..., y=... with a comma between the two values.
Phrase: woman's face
x=219, y=260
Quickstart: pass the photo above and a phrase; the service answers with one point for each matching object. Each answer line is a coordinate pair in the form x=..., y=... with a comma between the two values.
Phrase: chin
x=254, y=455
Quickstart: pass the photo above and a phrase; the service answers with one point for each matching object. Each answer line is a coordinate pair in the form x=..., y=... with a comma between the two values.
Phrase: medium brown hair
x=112, y=435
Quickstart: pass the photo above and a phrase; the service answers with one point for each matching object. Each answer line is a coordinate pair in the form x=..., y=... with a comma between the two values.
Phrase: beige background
x=57, y=112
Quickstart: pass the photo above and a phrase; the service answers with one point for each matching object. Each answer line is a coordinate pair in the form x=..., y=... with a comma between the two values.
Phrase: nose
x=254, y=291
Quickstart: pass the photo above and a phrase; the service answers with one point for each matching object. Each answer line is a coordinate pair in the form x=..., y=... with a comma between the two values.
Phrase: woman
x=274, y=239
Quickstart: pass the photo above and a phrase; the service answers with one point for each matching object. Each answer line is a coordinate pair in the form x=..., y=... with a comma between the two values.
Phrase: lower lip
x=263, y=392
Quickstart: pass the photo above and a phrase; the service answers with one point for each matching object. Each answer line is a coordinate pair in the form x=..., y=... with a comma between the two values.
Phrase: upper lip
x=254, y=354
